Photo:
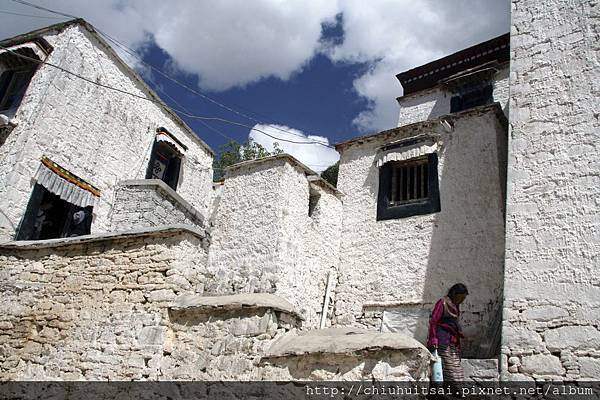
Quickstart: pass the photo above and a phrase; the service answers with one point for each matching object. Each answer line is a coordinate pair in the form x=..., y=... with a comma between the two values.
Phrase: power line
x=133, y=53
x=26, y=3
x=27, y=15
x=137, y=56
x=197, y=117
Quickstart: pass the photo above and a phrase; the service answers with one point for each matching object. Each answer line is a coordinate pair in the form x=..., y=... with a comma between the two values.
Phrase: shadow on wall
x=467, y=240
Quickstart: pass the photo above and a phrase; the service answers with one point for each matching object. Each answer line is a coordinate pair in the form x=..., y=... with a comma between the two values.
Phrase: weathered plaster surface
x=435, y=102
x=130, y=307
x=264, y=240
x=552, y=297
x=150, y=202
x=409, y=263
x=94, y=309
x=100, y=135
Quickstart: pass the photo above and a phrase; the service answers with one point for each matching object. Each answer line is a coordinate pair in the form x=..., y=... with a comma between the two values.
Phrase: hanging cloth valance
x=30, y=49
x=66, y=185
x=401, y=153
x=165, y=137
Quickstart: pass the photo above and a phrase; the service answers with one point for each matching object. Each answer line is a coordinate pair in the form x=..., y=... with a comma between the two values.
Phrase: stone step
x=480, y=369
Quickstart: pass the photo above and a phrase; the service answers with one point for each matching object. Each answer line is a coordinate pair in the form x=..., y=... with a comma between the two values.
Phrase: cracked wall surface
x=552, y=293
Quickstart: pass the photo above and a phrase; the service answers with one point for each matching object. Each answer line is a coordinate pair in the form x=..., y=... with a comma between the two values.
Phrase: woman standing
x=445, y=332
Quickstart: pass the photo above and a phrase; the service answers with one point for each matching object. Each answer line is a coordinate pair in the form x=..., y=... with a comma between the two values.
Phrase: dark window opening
x=13, y=84
x=472, y=96
x=408, y=188
x=165, y=163
x=50, y=217
x=313, y=201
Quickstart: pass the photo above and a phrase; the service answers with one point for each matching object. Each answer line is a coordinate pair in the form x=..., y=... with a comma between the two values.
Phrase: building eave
x=428, y=75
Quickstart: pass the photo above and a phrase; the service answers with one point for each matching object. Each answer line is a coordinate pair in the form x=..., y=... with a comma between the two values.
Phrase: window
x=49, y=217
x=13, y=84
x=164, y=164
x=408, y=188
x=472, y=95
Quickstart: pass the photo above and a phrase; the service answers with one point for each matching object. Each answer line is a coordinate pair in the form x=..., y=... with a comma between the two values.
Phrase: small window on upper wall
x=472, y=95
x=165, y=164
x=408, y=188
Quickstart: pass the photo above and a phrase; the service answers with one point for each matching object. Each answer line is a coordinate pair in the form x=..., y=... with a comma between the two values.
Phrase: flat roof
x=312, y=176
x=417, y=126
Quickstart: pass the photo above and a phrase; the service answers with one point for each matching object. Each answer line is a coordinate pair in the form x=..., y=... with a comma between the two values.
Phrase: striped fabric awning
x=66, y=185
x=405, y=152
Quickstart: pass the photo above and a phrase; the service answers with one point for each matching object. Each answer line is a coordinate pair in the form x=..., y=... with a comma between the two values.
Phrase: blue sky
x=304, y=71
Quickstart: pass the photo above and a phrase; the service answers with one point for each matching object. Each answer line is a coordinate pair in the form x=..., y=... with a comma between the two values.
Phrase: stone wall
x=150, y=202
x=98, y=134
x=407, y=264
x=552, y=297
x=137, y=306
x=94, y=307
x=265, y=241
x=435, y=102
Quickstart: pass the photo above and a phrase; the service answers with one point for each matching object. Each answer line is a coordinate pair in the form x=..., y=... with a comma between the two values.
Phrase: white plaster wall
x=424, y=105
x=413, y=261
x=552, y=297
x=264, y=241
x=319, y=247
x=435, y=102
x=98, y=134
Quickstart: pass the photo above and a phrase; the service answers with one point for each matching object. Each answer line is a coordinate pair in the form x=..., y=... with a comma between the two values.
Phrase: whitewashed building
x=71, y=145
x=424, y=202
x=489, y=180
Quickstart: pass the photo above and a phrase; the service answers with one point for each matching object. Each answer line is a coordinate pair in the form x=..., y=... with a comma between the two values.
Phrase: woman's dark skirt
x=453, y=371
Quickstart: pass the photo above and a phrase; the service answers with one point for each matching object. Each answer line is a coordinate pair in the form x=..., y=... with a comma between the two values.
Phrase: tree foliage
x=331, y=174
x=232, y=153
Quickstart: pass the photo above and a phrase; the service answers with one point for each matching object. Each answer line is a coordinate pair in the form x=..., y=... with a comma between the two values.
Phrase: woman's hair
x=458, y=288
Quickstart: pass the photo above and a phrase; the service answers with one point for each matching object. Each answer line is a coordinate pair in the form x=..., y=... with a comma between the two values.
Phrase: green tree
x=331, y=174
x=232, y=153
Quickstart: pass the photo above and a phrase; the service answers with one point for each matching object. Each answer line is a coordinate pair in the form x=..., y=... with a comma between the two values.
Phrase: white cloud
x=396, y=35
x=315, y=156
x=229, y=43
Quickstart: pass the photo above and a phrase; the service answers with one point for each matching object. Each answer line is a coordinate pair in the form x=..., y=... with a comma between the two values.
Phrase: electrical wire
x=192, y=116
x=28, y=15
x=133, y=53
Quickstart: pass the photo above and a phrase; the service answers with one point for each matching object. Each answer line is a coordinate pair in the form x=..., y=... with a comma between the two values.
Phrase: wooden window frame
x=387, y=208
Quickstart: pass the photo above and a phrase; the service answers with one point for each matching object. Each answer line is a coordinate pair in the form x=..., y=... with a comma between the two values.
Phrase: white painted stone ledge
x=343, y=341
x=166, y=191
x=233, y=302
x=100, y=237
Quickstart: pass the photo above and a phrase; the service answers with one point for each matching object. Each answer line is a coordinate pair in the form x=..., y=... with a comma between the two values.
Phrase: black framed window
x=165, y=164
x=408, y=188
x=472, y=95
